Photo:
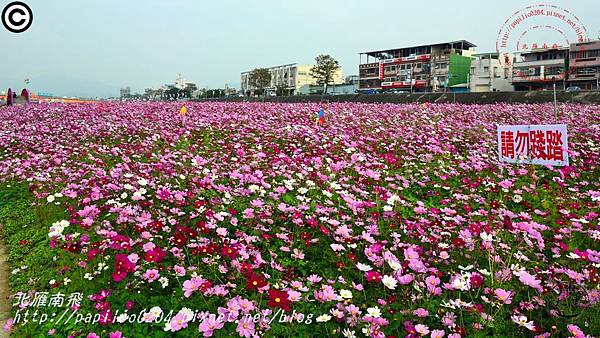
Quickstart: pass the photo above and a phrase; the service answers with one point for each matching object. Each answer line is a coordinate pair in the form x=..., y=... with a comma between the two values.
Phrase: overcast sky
x=92, y=48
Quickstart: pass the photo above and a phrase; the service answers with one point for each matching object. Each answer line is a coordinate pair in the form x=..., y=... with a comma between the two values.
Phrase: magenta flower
x=575, y=331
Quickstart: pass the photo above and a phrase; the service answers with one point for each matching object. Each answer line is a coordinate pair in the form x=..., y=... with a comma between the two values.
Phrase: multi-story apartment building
x=291, y=77
x=584, y=65
x=488, y=74
x=540, y=69
x=433, y=67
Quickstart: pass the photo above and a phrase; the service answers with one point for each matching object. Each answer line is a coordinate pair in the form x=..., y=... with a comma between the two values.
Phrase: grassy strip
x=25, y=233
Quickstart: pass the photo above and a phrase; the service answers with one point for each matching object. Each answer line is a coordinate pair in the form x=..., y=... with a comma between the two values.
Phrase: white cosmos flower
x=156, y=311
x=486, y=237
x=517, y=198
x=346, y=294
x=122, y=317
x=323, y=318
x=363, y=267
x=395, y=265
x=374, y=312
x=390, y=282
x=349, y=334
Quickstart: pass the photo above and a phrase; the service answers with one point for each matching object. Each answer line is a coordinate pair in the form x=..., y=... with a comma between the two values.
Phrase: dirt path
x=4, y=291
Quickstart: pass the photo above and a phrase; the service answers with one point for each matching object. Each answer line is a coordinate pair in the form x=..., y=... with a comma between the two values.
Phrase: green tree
x=282, y=90
x=259, y=78
x=324, y=70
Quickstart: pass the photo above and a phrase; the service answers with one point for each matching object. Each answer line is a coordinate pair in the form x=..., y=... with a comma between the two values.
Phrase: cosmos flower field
x=249, y=220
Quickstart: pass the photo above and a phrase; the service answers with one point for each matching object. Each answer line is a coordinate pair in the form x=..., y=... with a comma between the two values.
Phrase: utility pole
x=555, y=110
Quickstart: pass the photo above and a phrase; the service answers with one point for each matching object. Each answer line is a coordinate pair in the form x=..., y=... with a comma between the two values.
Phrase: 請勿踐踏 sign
x=535, y=144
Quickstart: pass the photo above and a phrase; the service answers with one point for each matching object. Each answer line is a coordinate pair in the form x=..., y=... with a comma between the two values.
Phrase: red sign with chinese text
x=535, y=144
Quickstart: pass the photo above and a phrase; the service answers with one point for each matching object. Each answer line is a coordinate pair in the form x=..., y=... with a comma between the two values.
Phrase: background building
x=350, y=86
x=487, y=74
x=290, y=77
x=584, y=65
x=538, y=69
x=433, y=67
x=125, y=92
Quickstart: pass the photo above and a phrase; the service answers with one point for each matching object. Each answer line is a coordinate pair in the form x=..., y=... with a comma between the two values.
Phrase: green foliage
x=324, y=69
x=259, y=78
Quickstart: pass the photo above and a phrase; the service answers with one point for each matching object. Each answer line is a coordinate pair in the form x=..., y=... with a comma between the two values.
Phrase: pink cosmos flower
x=8, y=326
x=179, y=270
x=421, y=329
x=405, y=279
x=575, y=331
x=530, y=280
x=151, y=275
x=503, y=296
x=420, y=312
x=210, y=324
x=437, y=333
x=245, y=327
x=179, y=322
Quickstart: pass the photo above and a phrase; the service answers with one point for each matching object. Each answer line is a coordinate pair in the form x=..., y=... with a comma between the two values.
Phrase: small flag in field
x=182, y=111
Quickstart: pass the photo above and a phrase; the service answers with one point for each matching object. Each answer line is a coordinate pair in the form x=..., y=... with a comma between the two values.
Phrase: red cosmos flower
x=102, y=305
x=458, y=242
x=157, y=225
x=229, y=251
x=373, y=276
x=246, y=268
x=279, y=299
x=255, y=282
x=189, y=232
x=476, y=280
x=179, y=240
x=106, y=317
x=199, y=204
x=119, y=275
x=123, y=263
x=155, y=255
x=462, y=331
x=202, y=227
x=205, y=285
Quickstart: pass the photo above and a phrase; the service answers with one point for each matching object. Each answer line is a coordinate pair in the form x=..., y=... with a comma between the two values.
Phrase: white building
x=487, y=74
x=291, y=76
